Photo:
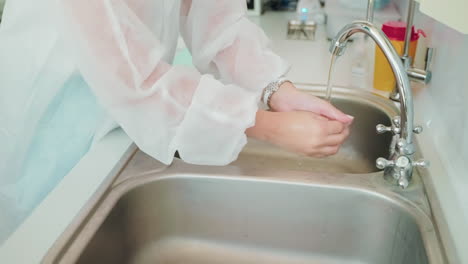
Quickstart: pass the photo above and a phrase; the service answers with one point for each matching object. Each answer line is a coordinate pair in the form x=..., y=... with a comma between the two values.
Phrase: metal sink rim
x=371, y=184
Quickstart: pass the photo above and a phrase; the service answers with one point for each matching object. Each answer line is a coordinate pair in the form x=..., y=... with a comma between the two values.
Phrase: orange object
x=384, y=79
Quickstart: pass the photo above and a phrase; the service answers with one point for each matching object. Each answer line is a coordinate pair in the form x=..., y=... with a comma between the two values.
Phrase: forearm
x=161, y=107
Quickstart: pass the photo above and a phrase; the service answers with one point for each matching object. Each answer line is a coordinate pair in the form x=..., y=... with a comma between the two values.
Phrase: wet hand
x=301, y=132
x=289, y=98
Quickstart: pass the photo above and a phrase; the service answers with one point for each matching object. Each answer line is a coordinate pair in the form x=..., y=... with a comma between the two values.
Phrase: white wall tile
x=447, y=93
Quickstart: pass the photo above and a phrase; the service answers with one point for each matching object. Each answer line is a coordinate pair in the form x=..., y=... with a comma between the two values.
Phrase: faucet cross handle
x=406, y=165
x=395, y=128
x=383, y=163
x=402, y=162
x=403, y=182
x=396, y=121
x=421, y=163
x=418, y=129
x=401, y=169
x=383, y=129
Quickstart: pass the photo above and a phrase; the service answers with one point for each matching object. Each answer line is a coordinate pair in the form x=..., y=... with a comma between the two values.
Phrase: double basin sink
x=269, y=206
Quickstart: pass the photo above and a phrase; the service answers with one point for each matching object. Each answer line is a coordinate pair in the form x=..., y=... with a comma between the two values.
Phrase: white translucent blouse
x=123, y=50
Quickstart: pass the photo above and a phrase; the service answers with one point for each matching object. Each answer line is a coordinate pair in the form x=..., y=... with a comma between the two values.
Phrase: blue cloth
x=63, y=136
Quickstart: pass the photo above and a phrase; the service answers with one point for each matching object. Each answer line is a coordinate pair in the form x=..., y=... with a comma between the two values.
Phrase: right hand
x=289, y=98
x=302, y=132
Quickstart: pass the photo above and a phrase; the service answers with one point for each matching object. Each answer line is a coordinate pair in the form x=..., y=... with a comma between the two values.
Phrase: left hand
x=289, y=98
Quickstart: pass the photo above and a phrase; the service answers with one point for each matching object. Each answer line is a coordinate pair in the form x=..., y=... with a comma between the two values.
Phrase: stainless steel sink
x=270, y=206
x=203, y=220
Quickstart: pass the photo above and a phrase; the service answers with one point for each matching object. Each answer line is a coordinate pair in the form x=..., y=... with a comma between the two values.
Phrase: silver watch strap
x=271, y=89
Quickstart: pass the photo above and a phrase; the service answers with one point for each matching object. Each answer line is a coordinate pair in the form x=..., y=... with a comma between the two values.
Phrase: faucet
x=399, y=168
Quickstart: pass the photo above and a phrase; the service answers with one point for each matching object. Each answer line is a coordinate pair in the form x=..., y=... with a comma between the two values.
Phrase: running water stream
x=330, y=73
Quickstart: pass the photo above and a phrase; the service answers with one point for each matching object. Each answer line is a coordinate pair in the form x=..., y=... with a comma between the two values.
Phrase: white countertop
x=312, y=63
x=31, y=241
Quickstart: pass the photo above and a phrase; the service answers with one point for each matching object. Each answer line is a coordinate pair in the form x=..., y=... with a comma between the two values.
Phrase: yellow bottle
x=384, y=79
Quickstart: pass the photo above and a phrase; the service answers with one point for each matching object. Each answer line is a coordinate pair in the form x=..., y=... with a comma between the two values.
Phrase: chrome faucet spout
x=403, y=84
x=370, y=10
x=399, y=168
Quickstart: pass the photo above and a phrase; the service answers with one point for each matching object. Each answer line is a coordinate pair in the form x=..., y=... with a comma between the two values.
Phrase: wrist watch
x=271, y=89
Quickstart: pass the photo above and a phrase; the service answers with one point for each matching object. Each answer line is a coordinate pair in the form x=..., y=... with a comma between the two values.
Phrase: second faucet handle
x=396, y=121
x=383, y=129
x=395, y=128
x=421, y=163
x=382, y=163
x=417, y=129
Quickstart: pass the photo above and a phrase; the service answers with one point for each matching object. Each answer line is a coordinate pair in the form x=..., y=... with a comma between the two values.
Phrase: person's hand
x=289, y=98
x=301, y=132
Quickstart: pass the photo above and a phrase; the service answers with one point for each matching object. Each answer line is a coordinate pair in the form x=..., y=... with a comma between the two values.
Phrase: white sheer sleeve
x=224, y=42
x=162, y=108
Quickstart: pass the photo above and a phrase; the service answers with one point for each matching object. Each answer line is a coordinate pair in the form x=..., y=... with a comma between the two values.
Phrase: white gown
x=120, y=52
